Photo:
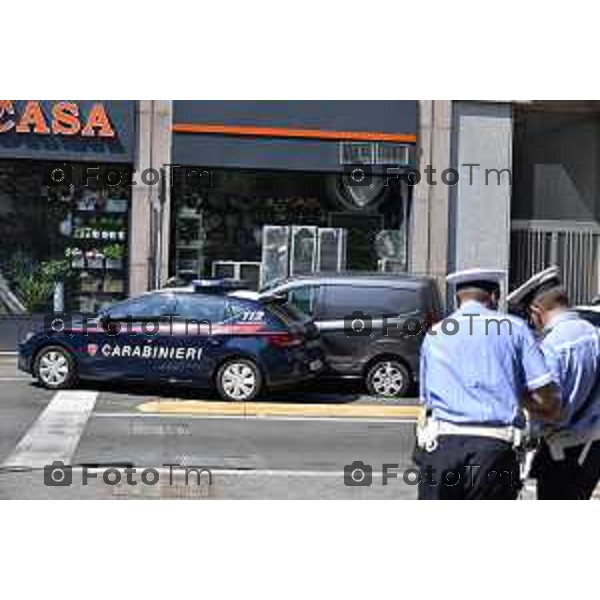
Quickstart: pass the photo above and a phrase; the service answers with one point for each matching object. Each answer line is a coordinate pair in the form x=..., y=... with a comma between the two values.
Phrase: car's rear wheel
x=238, y=380
x=54, y=368
x=388, y=378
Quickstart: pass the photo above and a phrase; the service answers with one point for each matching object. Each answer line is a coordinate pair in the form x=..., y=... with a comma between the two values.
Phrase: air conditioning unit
x=357, y=152
x=246, y=271
x=377, y=153
x=393, y=154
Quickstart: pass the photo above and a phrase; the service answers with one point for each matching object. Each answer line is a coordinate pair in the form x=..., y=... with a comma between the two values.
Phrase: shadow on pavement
x=328, y=392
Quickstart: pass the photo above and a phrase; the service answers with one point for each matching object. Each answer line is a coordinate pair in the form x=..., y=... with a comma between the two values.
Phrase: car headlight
x=28, y=336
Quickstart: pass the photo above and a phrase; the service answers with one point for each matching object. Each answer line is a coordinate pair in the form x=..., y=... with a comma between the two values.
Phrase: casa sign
x=62, y=119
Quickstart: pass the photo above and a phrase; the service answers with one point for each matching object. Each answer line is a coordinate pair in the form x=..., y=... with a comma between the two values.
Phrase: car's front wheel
x=54, y=368
x=388, y=378
x=238, y=380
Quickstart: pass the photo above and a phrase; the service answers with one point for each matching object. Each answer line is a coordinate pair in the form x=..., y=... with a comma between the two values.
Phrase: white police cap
x=486, y=279
x=538, y=284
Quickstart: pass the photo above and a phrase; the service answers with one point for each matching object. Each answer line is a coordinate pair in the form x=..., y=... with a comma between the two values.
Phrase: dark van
x=372, y=325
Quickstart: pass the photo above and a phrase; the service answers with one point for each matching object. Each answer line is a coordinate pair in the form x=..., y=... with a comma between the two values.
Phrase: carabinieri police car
x=203, y=334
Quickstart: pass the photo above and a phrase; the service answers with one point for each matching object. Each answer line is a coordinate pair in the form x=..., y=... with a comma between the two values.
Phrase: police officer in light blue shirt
x=567, y=464
x=479, y=369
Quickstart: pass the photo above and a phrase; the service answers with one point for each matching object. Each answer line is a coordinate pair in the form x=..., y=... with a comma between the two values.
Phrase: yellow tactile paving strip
x=279, y=409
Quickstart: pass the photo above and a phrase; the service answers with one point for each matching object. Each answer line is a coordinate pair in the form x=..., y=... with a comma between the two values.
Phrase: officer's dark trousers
x=566, y=479
x=468, y=468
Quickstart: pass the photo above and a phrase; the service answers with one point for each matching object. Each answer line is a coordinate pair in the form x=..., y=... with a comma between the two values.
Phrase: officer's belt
x=428, y=433
x=559, y=441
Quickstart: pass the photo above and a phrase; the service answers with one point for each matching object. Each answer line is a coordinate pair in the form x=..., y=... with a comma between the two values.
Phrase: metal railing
x=572, y=245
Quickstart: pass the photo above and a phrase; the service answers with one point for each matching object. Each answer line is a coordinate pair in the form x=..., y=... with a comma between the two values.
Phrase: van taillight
x=285, y=340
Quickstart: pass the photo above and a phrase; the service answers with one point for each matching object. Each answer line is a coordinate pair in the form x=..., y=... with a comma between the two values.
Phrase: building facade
x=252, y=190
x=259, y=190
x=58, y=223
x=527, y=196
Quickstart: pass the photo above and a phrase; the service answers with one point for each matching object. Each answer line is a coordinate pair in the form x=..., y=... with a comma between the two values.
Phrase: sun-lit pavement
x=293, y=444
x=272, y=448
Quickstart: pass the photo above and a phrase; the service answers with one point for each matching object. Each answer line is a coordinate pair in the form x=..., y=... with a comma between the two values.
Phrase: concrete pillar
x=162, y=147
x=153, y=151
x=480, y=202
x=429, y=228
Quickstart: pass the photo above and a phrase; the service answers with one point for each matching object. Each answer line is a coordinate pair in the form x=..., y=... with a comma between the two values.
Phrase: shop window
x=62, y=247
x=267, y=225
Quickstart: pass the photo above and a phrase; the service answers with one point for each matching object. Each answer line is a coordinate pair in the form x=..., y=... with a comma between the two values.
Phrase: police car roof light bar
x=217, y=286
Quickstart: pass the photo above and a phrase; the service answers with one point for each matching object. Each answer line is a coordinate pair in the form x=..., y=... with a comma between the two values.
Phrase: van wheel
x=238, y=380
x=54, y=368
x=388, y=378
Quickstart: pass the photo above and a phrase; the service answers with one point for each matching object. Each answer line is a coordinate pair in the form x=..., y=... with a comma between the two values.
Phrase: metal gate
x=573, y=246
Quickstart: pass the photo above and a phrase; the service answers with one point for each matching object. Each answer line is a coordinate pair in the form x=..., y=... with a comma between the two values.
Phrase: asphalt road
x=94, y=429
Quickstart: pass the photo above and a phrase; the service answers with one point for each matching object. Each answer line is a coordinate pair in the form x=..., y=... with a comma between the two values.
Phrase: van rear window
x=341, y=300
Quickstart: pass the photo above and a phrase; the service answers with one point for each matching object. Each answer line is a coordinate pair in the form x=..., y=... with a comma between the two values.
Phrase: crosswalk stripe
x=57, y=431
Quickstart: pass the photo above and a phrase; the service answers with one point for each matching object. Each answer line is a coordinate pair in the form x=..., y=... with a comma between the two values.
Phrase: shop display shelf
x=95, y=263
x=186, y=210
x=116, y=287
x=189, y=217
x=113, y=264
x=98, y=240
x=198, y=246
x=99, y=213
x=98, y=205
x=101, y=270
